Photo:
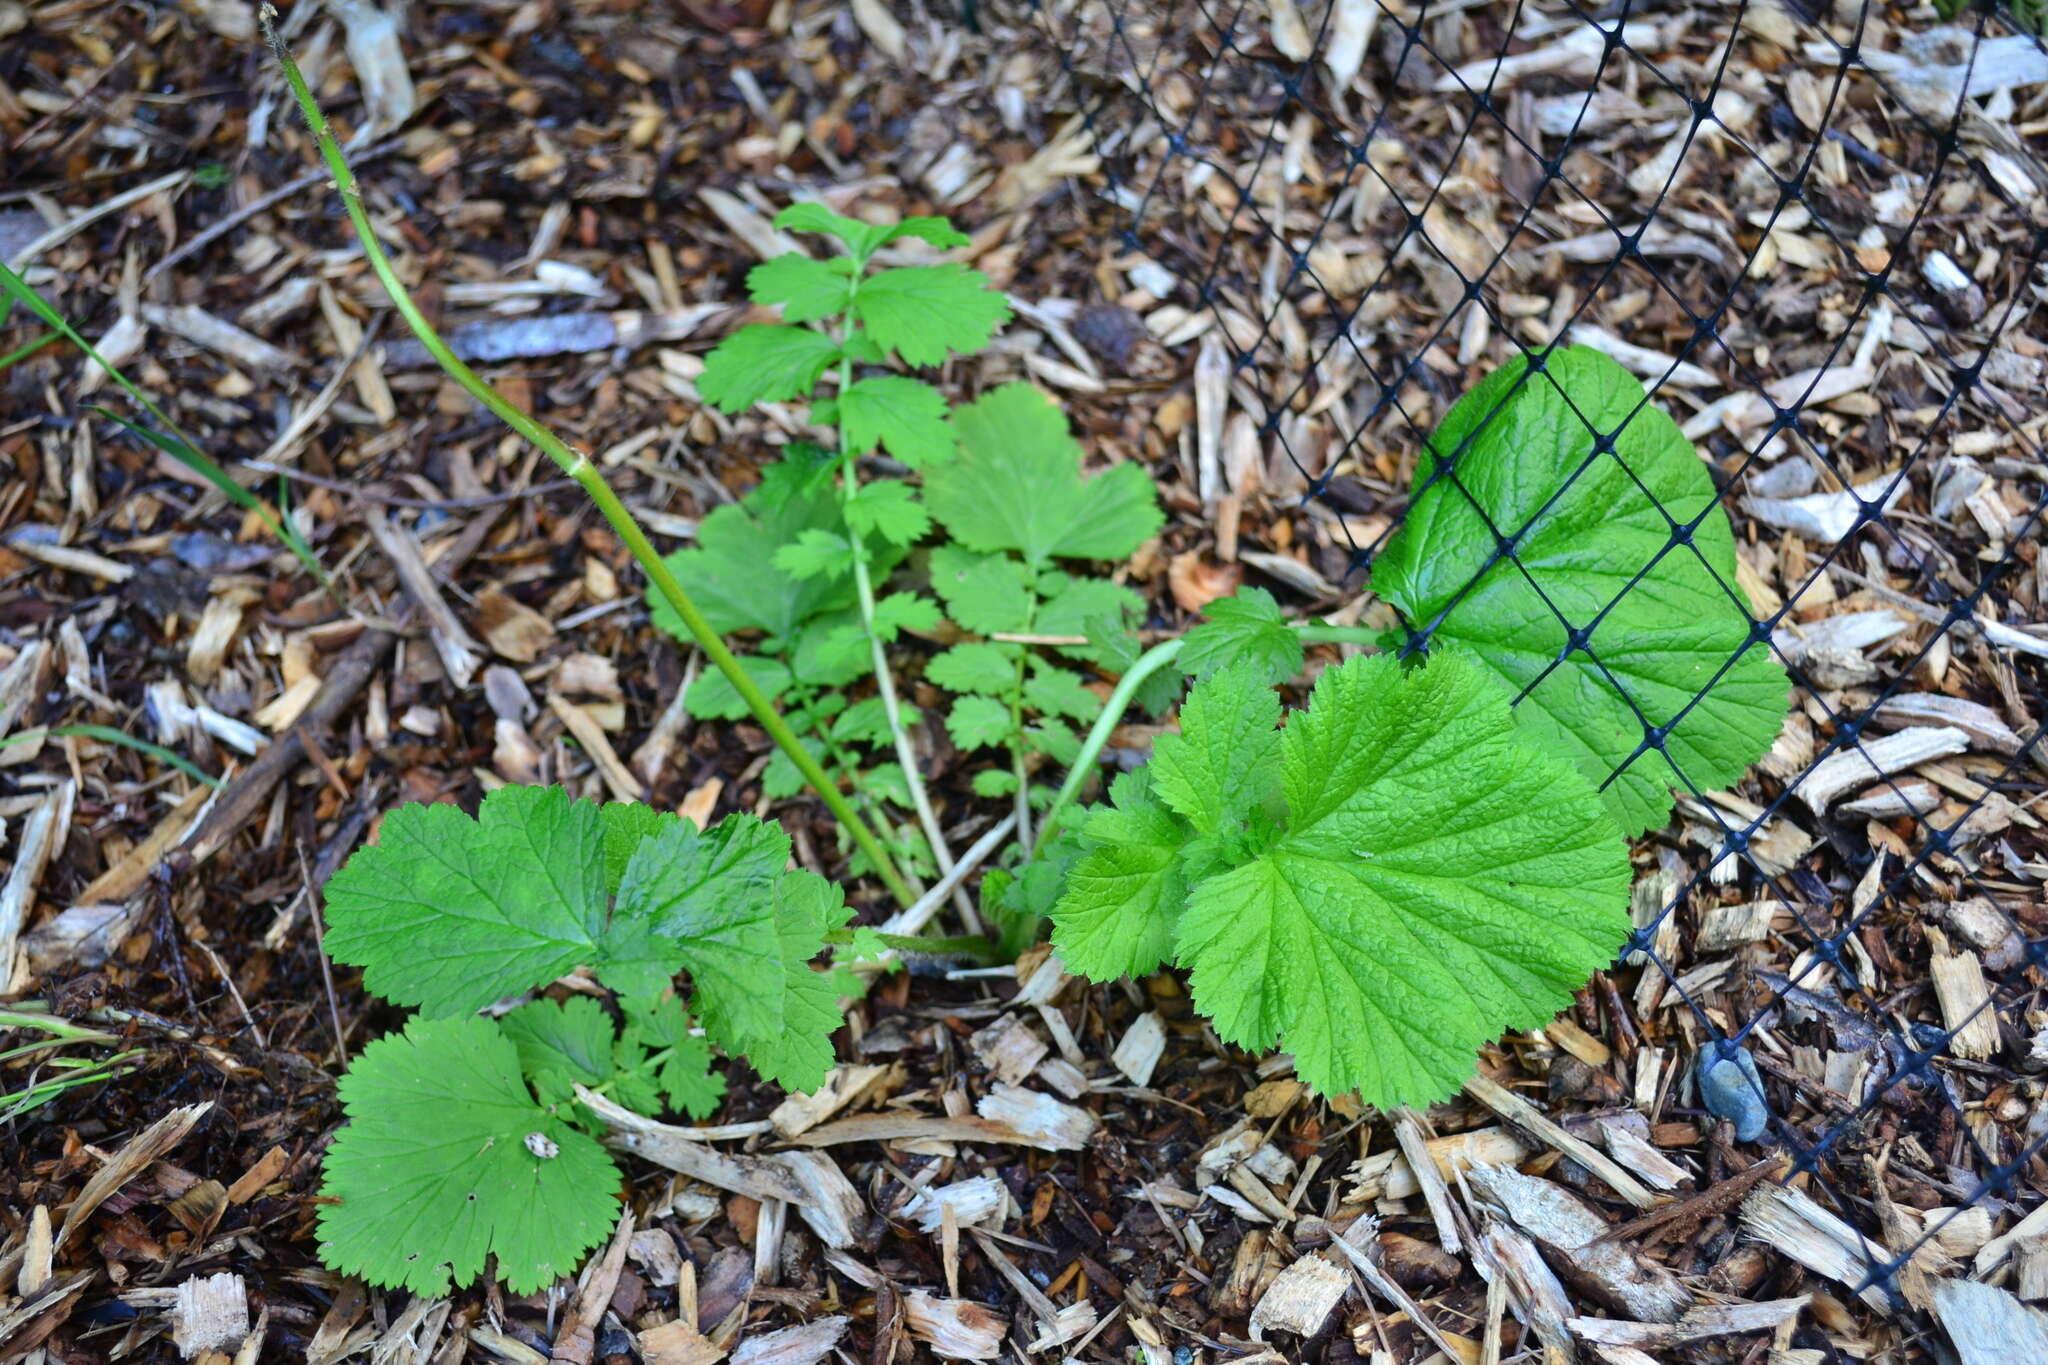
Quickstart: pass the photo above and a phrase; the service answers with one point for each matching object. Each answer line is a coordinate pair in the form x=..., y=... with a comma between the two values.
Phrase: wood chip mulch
x=1012, y=1164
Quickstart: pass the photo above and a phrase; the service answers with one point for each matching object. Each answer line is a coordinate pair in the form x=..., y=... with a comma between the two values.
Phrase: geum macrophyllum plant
x=1434, y=852
x=1430, y=853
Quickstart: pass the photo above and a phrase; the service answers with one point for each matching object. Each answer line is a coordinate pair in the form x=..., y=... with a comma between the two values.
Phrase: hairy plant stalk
x=864, y=592
x=578, y=467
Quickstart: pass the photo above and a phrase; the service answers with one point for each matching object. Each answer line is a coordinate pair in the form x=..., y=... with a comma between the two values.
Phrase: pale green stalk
x=578, y=467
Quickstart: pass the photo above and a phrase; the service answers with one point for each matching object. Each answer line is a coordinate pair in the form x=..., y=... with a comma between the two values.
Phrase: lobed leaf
x=922, y=312
x=764, y=364
x=1018, y=486
x=447, y=1160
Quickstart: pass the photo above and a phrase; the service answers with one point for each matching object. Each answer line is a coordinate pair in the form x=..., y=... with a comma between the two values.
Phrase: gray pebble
x=1731, y=1089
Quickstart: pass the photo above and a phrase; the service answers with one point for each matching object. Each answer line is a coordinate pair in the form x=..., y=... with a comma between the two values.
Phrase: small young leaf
x=978, y=723
x=782, y=779
x=908, y=416
x=813, y=217
x=1222, y=765
x=1055, y=739
x=994, y=782
x=825, y=556
x=713, y=697
x=712, y=892
x=685, y=1075
x=569, y=1040
x=833, y=651
x=1079, y=606
x=986, y=594
x=901, y=611
x=440, y=1166
x=626, y=824
x=922, y=311
x=729, y=572
x=1017, y=485
x=1053, y=691
x=764, y=364
x=988, y=670
x=936, y=231
x=867, y=722
x=796, y=1051
x=1246, y=628
x=806, y=289
x=450, y=914
x=887, y=508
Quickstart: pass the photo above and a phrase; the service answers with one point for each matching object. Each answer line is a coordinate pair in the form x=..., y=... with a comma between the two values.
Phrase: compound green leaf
x=450, y=914
x=979, y=723
x=985, y=669
x=1587, y=538
x=1094, y=607
x=813, y=217
x=446, y=1160
x=806, y=289
x=923, y=311
x=1017, y=485
x=764, y=364
x=1247, y=627
x=936, y=231
x=1053, y=691
x=816, y=556
x=908, y=416
x=901, y=611
x=1443, y=878
x=887, y=508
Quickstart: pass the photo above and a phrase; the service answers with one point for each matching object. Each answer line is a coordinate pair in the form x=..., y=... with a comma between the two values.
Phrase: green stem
x=578, y=467
x=878, y=659
x=1150, y=662
x=1017, y=768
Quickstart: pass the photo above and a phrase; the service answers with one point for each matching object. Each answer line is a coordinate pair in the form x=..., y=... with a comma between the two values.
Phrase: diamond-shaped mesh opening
x=1818, y=240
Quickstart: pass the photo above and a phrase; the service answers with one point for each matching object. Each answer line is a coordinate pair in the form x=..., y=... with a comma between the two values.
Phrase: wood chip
x=805, y=1345
x=955, y=1329
x=1533, y=1121
x=1141, y=1047
x=1965, y=999
x=1872, y=760
x=1300, y=1299
x=1987, y=1325
x=1573, y=1233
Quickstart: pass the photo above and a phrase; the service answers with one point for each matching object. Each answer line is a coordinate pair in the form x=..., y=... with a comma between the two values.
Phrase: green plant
x=166, y=436
x=44, y=1056
x=1018, y=510
x=465, y=1136
x=1420, y=860
x=816, y=604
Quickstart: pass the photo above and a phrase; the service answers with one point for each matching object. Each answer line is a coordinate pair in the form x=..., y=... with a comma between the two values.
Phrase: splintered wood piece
x=1987, y=1325
x=1040, y=1120
x=1300, y=1299
x=678, y=1343
x=801, y=1113
x=145, y=1147
x=1537, y=1124
x=974, y=1201
x=459, y=653
x=1139, y=1050
x=956, y=1329
x=1873, y=760
x=1008, y=1048
x=1789, y=1221
x=1414, y=1144
x=1965, y=999
x=1387, y=1174
x=1506, y=1256
x=1575, y=1236
x=805, y=1345
x=211, y=1314
x=1707, y=1321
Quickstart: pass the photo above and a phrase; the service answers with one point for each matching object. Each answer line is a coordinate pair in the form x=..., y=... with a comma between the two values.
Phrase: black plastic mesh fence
x=1817, y=238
